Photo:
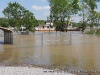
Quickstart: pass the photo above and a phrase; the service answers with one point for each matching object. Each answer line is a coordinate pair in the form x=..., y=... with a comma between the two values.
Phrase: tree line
x=4, y=22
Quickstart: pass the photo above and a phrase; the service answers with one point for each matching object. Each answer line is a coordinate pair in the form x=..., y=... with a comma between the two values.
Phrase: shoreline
x=36, y=66
x=18, y=70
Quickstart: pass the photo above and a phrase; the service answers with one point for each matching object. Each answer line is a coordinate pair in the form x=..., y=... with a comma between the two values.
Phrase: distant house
x=46, y=27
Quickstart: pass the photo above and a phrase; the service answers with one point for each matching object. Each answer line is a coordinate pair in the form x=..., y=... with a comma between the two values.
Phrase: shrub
x=98, y=31
x=90, y=32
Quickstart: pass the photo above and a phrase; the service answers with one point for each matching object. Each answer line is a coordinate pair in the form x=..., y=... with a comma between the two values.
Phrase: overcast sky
x=40, y=8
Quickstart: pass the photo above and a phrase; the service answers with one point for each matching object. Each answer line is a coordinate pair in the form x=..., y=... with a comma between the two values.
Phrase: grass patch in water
x=98, y=31
x=90, y=32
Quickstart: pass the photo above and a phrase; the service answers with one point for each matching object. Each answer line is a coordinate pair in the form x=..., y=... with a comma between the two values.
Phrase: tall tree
x=92, y=5
x=61, y=10
x=97, y=18
x=84, y=12
x=18, y=15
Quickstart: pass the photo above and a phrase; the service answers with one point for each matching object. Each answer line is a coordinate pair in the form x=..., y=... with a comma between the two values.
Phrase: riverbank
x=31, y=71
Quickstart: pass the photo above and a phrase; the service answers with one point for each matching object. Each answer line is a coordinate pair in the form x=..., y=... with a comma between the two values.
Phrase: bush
x=98, y=31
x=90, y=32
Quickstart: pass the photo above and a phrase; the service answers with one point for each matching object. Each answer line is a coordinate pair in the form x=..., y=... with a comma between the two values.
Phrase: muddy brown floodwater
x=73, y=51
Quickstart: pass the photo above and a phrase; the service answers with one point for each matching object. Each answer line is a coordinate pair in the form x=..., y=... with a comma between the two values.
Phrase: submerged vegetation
x=90, y=32
x=98, y=32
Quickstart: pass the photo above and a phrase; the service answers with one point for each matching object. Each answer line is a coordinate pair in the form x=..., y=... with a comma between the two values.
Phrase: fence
x=41, y=39
x=53, y=38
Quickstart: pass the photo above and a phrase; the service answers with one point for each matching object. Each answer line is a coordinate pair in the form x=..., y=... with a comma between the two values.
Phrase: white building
x=48, y=26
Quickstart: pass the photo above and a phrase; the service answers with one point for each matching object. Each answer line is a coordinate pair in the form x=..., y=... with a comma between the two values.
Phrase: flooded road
x=71, y=51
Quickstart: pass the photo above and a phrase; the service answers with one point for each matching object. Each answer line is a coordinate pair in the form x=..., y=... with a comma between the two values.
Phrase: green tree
x=84, y=14
x=41, y=22
x=17, y=16
x=92, y=5
x=28, y=20
x=4, y=22
x=96, y=18
x=61, y=11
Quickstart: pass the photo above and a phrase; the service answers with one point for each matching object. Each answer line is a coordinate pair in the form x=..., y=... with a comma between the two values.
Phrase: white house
x=48, y=26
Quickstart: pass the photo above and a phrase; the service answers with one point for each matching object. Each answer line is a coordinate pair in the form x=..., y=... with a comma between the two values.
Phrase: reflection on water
x=82, y=54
